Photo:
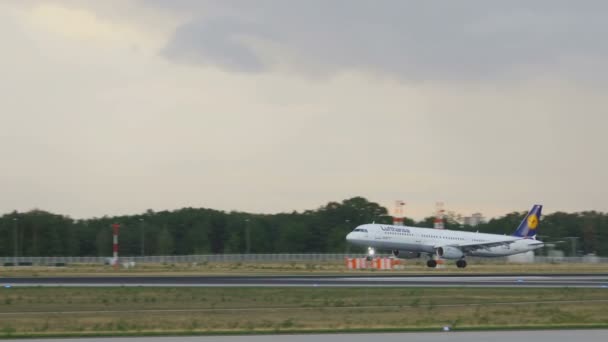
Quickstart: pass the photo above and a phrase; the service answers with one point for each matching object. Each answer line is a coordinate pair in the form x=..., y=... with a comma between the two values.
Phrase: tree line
x=207, y=231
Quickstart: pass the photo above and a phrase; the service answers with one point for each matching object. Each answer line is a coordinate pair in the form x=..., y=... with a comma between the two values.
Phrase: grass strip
x=73, y=312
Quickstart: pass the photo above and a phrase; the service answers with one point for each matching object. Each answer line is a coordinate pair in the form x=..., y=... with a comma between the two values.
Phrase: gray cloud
x=413, y=39
x=212, y=42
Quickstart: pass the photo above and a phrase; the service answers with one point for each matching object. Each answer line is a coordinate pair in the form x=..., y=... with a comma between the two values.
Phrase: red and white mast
x=439, y=214
x=398, y=214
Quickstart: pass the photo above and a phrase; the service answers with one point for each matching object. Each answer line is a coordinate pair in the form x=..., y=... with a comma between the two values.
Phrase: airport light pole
x=347, y=221
x=573, y=241
x=247, y=237
x=16, y=239
x=143, y=236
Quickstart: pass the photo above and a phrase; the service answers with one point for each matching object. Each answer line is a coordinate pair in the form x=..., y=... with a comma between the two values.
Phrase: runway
x=495, y=336
x=488, y=280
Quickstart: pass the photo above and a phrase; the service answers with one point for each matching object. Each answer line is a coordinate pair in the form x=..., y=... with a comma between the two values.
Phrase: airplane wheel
x=369, y=258
x=461, y=263
x=431, y=263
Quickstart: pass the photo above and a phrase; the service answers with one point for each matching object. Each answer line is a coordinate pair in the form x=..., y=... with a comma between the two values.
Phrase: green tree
x=198, y=238
x=201, y=230
x=295, y=238
x=165, y=242
x=103, y=242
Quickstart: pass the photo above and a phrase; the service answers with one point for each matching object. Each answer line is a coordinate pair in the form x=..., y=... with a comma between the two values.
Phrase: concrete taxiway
x=494, y=336
x=513, y=280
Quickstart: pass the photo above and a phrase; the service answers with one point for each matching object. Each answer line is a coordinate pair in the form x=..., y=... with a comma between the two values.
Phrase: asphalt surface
x=494, y=336
x=487, y=280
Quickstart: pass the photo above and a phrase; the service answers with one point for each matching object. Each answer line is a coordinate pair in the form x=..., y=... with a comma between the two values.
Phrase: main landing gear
x=461, y=263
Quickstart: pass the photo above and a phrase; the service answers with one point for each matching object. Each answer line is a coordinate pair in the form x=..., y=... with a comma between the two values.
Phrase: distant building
x=474, y=220
x=527, y=257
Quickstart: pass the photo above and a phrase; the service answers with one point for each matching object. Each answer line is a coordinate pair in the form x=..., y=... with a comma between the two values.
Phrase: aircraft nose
x=349, y=237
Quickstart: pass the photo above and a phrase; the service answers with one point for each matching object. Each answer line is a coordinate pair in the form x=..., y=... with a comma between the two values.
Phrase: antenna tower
x=439, y=215
x=398, y=214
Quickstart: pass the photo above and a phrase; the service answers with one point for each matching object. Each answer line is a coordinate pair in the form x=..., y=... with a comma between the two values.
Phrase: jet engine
x=405, y=254
x=449, y=252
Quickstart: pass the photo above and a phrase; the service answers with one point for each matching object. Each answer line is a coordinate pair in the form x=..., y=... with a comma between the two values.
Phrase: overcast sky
x=115, y=107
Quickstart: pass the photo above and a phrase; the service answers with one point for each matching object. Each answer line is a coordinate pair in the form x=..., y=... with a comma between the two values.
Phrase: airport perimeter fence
x=266, y=258
x=177, y=259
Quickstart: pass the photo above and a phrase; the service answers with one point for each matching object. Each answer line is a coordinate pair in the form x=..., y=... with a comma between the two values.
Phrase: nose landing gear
x=431, y=263
x=370, y=253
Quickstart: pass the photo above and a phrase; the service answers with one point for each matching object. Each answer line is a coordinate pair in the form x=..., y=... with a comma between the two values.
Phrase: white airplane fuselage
x=428, y=240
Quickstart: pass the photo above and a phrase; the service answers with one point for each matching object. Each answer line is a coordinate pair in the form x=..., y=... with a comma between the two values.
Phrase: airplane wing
x=470, y=247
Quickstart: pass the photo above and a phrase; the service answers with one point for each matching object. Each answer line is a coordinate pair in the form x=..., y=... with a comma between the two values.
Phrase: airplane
x=412, y=242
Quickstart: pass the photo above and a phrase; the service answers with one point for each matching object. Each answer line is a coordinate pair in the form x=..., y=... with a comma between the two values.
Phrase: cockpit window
x=360, y=230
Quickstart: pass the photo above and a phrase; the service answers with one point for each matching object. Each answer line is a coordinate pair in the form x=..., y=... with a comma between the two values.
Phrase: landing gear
x=461, y=263
x=370, y=253
x=432, y=263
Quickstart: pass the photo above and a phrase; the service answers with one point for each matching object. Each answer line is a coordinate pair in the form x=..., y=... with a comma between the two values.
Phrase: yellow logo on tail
x=532, y=221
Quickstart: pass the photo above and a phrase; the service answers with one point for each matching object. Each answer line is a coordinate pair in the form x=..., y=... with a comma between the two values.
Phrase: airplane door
x=377, y=236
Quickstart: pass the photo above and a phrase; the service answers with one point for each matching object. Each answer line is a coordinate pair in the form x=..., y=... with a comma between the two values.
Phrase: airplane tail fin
x=527, y=227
